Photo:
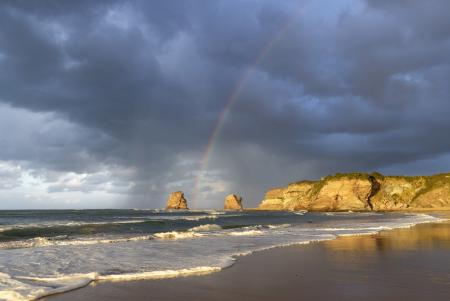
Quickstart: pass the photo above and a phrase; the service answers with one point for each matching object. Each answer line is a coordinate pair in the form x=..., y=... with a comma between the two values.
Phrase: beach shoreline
x=304, y=269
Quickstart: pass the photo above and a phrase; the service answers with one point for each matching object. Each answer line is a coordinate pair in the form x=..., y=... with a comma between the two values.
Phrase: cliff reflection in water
x=402, y=258
x=425, y=236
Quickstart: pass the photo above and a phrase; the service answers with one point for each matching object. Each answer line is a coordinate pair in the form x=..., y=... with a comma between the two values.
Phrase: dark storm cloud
x=138, y=86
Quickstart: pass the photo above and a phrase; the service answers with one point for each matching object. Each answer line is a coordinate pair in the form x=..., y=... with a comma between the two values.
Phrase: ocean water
x=48, y=251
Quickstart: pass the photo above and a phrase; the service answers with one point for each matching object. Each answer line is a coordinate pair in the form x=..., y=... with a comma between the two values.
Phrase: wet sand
x=403, y=264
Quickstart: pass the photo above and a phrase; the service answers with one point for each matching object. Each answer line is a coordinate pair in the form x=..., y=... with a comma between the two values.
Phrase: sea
x=43, y=252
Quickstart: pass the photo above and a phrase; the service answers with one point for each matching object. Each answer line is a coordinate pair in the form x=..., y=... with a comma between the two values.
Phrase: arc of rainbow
x=231, y=100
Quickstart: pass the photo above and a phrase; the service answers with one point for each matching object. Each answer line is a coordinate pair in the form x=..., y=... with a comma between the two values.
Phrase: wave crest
x=246, y=233
x=46, y=241
x=207, y=227
x=177, y=235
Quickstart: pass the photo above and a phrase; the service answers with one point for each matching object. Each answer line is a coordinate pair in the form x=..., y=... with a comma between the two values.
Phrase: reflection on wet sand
x=427, y=236
x=406, y=264
x=393, y=260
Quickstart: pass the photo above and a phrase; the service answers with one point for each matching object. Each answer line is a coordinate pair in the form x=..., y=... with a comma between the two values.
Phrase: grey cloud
x=10, y=175
x=138, y=86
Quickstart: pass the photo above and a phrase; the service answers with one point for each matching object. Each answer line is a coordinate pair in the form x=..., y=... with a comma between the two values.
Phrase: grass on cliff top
x=318, y=185
x=379, y=176
x=411, y=178
x=354, y=175
x=302, y=182
x=432, y=182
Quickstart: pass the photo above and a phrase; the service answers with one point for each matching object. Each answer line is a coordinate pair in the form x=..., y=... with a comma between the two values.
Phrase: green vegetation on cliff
x=365, y=191
x=433, y=182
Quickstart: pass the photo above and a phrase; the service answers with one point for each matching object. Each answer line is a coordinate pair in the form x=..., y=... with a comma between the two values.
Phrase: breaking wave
x=187, y=246
x=47, y=241
x=55, y=285
x=207, y=227
x=177, y=235
x=246, y=233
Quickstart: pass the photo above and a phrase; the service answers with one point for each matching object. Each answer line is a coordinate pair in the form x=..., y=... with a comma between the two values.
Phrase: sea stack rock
x=177, y=201
x=233, y=202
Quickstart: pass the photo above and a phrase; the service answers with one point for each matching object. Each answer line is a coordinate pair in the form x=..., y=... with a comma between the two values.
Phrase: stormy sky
x=111, y=104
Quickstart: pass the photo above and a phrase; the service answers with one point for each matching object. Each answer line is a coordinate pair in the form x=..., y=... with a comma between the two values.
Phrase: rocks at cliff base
x=294, y=197
x=233, y=202
x=362, y=192
x=176, y=200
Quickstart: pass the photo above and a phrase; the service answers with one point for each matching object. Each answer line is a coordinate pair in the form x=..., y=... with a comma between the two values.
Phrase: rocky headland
x=362, y=192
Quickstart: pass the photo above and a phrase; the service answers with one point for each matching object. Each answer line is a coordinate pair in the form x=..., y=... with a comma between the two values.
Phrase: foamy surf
x=47, y=242
x=278, y=226
x=183, y=247
x=207, y=227
x=67, y=224
x=70, y=282
x=246, y=233
x=194, y=232
x=177, y=235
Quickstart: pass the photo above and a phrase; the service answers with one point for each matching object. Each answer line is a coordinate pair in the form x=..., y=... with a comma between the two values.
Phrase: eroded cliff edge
x=362, y=192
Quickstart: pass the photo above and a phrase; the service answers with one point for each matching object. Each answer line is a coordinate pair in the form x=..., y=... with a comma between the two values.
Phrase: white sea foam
x=58, y=284
x=379, y=228
x=207, y=227
x=210, y=216
x=177, y=235
x=278, y=226
x=197, y=218
x=10, y=289
x=36, y=273
x=215, y=212
x=46, y=242
x=2, y=229
x=133, y=221
x=161, y=274
x=126, y=220
x=182, y=217
x=246, y=233
x=68, y=224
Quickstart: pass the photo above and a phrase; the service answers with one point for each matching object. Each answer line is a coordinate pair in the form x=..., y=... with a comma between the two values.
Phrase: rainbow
x=231, y=100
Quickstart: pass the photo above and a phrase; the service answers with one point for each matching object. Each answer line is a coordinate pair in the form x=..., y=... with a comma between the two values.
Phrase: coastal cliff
x=362, y=192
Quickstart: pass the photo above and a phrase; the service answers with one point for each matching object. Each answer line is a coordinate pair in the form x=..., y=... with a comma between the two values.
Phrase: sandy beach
x=402, y=264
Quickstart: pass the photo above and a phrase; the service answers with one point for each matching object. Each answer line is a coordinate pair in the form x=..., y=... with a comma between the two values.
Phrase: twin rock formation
x=177, y=201
x=362, y=192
